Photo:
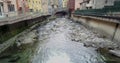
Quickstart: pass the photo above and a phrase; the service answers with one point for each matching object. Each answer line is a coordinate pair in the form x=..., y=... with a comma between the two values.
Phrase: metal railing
x=7, y=16
x=10, y=16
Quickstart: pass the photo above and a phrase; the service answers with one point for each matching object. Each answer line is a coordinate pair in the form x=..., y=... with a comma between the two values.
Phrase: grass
x=25, y=52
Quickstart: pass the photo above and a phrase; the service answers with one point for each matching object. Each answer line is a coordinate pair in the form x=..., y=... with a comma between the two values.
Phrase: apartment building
x=35, y=5
x=50, y=6
x=60, y=4
x=71, y=5
x=1, y=8
x=53, y=5
x=74, y=4
x=8, y=8
x=95, y=4
x=83, y=4
x=64, y=3
x=22, y=6
x=77, y=4
x=44, y=6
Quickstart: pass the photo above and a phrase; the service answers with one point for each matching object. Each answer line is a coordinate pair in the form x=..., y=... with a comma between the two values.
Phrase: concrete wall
x=9, y=30
x=110, y=29
x=117, y=35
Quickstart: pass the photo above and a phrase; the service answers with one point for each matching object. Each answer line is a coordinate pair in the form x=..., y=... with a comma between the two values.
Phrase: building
x=95, y=4
x=71, y=5
x=1, y=8
x=83, y=4
x=53, y=5
x=44, y=6
x=64, y=3
x=12, y=7
x=22, y=6
x=8, y=8
x=77, y=4
x=35, y=5
x=50, y=6
x=60, y=4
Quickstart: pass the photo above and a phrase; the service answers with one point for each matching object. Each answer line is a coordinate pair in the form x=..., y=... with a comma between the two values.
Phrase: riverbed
x=59, y=41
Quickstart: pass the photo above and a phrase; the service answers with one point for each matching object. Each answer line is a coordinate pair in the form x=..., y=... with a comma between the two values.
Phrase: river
x=59, y=41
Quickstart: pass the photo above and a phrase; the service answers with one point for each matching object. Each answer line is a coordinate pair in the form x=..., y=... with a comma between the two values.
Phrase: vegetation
x=6, y=34
x=109, y=58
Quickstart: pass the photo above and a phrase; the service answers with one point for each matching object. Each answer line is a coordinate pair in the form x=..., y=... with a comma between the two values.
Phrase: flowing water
x=56, y=46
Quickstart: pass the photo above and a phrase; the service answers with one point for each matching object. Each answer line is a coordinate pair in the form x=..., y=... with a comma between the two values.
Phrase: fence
x=106, y=11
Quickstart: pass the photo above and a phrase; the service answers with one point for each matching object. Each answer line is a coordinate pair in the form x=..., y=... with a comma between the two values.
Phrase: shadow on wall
x=61, y=14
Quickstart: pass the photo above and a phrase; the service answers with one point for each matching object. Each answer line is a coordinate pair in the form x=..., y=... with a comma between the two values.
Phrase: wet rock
x=73, y=39
x=14, y=59
x=35, y=37
x=18, y=44
x=5, y=56
x=115, y=52
x=111, y=48
x=89, y=44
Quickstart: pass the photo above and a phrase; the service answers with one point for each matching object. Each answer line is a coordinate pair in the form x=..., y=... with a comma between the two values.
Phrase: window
x=93, y=1
x=11, y=7
x=0, y=11
x=106, y=1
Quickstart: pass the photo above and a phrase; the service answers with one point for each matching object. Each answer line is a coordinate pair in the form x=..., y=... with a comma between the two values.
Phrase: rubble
x=91, y=38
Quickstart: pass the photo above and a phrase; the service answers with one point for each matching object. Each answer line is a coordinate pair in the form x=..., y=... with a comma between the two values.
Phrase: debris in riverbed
x=90, y=44
x=91, y=38
x=115, y=52
x=29, y=38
